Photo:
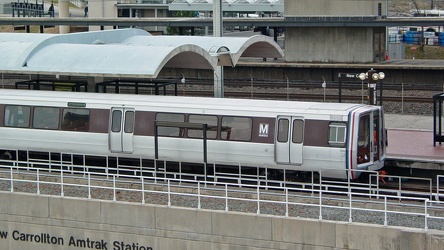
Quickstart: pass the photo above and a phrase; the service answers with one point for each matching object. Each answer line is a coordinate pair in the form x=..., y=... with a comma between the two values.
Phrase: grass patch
x=429, y=52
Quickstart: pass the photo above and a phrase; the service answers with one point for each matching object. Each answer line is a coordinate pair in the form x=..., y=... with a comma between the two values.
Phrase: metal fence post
x=169, y=193
x=143, y=189
x=226, y=197
x=12, y=182
x=38, y=182
x=114, y=188
x=258, y=202
x=286, y=202
x=198, y=196
x=62, y=193
x=89, y=185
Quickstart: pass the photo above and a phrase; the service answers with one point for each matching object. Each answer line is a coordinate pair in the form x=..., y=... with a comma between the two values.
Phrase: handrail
x=318, y=201
x=439, y=188
x=373, y=185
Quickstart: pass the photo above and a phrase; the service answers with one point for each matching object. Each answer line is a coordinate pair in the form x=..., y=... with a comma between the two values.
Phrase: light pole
x=372, y=77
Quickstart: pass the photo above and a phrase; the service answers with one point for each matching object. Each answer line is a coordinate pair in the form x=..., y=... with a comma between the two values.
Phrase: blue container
x=441, y=39
x=409, y=40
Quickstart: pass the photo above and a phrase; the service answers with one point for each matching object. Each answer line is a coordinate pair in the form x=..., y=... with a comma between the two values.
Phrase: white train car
x=299, y=136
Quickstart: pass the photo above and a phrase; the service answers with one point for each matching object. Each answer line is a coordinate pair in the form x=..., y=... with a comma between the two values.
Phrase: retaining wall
x=43, y=222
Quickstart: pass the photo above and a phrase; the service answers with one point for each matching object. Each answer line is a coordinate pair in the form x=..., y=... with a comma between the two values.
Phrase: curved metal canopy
x=124, y=52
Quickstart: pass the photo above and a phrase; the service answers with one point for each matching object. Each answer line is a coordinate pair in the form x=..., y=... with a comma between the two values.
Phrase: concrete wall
x=335, y=44
x=47, y=223
x=329, y=44
x=333, y=8
x=102, y=8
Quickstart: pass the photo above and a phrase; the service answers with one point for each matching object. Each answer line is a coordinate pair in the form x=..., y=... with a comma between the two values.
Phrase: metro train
x=334, y=138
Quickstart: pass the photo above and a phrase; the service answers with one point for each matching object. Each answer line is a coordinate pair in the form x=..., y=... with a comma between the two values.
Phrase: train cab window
x=129, y=121
x=116, y=121
x=282, y=135
x=337, y=134
x=75, y=119
x=211, y=122
x=46, y=118
x=364, y=131
x=170, y=117
x=236, y=128
x=16, y=116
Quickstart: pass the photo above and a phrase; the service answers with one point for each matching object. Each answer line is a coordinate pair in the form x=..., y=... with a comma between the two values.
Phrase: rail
x=324, y=202
x=259, y=175
x=439, y=187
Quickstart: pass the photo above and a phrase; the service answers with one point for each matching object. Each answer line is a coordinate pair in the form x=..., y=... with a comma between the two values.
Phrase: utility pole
x=371, y=87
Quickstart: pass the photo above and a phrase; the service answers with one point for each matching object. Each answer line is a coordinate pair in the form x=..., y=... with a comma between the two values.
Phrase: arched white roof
x=124, y=52
x=236, y=47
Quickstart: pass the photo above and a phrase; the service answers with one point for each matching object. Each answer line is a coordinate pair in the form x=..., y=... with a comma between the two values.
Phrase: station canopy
x=132, y=53
x=124, y=52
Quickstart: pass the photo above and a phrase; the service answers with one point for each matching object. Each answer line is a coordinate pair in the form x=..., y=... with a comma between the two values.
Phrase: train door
x=371, y=136
x=289, y=140
x=379, y=135
x=121, y=130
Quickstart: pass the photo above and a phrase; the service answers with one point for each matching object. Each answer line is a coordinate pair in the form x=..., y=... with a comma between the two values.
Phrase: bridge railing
x=317, y=202
x=378, y=183
x=439, y=187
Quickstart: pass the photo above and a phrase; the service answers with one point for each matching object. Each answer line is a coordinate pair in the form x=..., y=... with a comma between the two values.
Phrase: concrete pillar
x=218, y=32
x=102, y=8
x=63, y=13
x=92, y=83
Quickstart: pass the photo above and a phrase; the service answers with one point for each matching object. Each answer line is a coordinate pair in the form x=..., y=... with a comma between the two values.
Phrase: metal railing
x=325, y=201
x=140, y=166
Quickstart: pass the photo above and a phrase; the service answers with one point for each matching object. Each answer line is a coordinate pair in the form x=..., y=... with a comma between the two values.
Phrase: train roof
x=94, y=99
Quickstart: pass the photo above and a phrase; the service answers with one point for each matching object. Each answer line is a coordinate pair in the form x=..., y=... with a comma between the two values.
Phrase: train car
x=334, y=138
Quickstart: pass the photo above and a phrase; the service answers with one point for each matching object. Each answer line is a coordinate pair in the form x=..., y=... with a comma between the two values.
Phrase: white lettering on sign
x=351, y=75
x=263, y=130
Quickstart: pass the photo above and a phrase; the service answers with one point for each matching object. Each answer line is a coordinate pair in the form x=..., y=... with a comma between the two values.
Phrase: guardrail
x=324, y=202
x=138, y=166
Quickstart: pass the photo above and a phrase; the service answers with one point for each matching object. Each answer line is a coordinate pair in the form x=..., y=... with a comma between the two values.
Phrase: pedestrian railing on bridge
x=332, y=200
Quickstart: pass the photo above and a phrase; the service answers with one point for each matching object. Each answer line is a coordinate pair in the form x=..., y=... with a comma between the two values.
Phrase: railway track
x=242, y=83
x=300, y=96
x=294, y=96
x=295, y=90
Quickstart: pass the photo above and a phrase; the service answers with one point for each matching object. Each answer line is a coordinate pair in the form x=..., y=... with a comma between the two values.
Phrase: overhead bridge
x=369, y=21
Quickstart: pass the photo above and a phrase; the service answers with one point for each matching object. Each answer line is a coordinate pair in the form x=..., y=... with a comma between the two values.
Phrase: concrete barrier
x=42, y=222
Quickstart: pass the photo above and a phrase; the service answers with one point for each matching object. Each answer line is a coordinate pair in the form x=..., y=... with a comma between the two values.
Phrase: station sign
x=349, y=75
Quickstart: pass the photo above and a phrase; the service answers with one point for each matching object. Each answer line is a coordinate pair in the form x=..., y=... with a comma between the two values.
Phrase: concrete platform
x=410, y=143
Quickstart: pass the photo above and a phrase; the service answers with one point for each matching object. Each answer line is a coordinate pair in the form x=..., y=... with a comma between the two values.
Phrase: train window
x=46, y=118
x=129, y=121
x=298, y=131
x=236, y=128
x=211, y=122
x=116, y=121
x=17, y=116
x=170, y=117
x=364, y=131
x=282, y=135
x=75, y=119
x=337, y=134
